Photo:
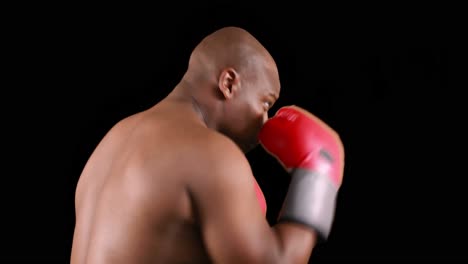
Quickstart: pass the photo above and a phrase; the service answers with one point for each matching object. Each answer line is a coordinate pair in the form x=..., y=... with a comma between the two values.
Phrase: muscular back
x=133, y=203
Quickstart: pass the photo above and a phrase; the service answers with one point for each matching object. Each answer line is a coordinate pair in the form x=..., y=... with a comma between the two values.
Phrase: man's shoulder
x=217, y=144
x=220, y=161
x=219, y=152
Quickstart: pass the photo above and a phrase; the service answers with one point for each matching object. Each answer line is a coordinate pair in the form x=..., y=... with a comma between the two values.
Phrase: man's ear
x=229, y=82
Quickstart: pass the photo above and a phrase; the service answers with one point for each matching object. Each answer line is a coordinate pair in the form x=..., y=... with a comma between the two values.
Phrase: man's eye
x=267, y=105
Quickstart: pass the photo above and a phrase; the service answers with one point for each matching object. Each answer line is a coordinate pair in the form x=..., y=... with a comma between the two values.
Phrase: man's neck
x=199, y=110
x=184, y=92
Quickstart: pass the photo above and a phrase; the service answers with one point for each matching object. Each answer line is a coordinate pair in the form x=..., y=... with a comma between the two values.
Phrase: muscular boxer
x=171, y=184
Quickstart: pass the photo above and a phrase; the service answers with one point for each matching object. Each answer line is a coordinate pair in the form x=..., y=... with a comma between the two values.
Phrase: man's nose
x=265, y=118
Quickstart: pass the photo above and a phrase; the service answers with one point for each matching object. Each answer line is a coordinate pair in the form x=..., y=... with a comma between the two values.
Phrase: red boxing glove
x=261, y=198
x=313, y=153
x=299, y=139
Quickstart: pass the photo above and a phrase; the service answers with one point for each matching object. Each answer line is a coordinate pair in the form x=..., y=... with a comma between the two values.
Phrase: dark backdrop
x=380, y=80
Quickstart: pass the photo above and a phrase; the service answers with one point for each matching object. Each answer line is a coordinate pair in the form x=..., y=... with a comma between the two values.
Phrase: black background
x=380, y=79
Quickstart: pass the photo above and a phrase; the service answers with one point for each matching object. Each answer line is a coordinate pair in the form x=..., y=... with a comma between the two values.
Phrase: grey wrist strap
x=310, y=201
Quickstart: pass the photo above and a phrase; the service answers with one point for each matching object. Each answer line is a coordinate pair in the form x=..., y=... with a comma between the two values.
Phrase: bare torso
x=133, y=204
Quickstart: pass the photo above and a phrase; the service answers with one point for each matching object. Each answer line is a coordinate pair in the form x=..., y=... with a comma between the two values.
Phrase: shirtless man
x=171, y=184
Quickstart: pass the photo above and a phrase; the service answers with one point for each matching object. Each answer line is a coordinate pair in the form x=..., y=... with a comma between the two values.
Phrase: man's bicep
x=233, y=224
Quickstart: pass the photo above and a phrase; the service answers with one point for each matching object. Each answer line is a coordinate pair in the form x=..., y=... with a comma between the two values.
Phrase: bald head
x=232, y=81
x=230, y=47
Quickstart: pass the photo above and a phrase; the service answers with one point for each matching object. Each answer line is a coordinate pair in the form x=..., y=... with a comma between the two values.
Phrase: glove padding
x=313, y=154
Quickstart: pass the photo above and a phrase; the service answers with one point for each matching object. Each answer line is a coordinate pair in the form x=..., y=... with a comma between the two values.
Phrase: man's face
x=248, y=111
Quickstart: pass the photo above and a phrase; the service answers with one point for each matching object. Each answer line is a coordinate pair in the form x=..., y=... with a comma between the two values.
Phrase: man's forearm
x=295, y=242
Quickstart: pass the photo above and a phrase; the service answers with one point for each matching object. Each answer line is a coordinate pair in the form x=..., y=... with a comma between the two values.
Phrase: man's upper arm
x=233, y=225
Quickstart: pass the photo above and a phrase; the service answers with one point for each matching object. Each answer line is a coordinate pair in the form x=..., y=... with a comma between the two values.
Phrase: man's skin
x=172, y=184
